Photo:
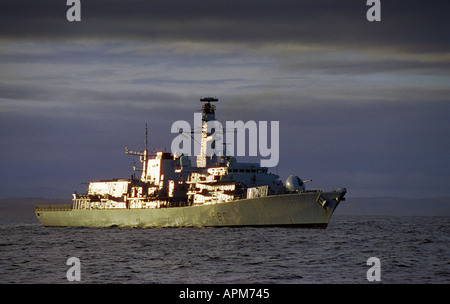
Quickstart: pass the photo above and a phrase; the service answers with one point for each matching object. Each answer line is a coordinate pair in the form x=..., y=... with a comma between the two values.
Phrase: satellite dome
x=294, y=184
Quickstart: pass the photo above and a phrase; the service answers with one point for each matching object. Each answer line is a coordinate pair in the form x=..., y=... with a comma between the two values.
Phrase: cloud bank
x=361, y=104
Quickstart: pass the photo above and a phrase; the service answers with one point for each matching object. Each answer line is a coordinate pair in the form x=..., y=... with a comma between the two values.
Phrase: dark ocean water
x=410, y=249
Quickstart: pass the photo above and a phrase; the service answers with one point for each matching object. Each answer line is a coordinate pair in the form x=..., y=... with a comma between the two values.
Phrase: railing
x=53, y=208
x=324, y=190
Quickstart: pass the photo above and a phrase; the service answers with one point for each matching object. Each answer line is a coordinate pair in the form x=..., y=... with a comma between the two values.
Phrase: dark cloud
x=372, y=65
x=412, y=25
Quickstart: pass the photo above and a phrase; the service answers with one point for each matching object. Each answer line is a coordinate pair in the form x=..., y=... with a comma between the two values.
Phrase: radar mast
x=208, y=114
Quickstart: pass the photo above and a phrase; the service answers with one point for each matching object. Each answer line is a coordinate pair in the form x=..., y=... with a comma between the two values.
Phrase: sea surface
x=410, y=250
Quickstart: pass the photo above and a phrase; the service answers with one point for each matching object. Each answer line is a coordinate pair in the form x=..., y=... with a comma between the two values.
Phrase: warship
x=217, y=191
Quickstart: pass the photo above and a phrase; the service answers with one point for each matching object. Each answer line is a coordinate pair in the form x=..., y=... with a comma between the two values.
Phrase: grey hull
x=300, y=209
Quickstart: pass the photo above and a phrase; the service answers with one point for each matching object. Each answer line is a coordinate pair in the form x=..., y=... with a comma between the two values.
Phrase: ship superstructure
x=217, y=191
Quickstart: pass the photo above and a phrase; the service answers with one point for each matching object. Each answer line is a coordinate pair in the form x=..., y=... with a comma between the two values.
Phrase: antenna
x=145, y=162
x=209, y=99
x=146, y=139
x=144, y=155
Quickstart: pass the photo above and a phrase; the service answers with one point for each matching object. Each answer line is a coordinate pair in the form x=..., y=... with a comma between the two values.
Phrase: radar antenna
x=143, y=155
x=209, y=99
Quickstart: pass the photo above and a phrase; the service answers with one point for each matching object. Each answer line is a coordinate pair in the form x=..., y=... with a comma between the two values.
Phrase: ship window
x=241, y=170
x=247, y=170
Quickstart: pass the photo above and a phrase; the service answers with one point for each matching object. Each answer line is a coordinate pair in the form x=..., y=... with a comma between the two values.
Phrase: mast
x=208, y=114
x=143, y=156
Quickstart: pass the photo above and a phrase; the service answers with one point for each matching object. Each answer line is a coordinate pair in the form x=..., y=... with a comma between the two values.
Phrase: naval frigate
x=216, y=191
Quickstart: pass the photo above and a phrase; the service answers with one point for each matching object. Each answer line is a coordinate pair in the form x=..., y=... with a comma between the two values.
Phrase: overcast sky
x=362, y=105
